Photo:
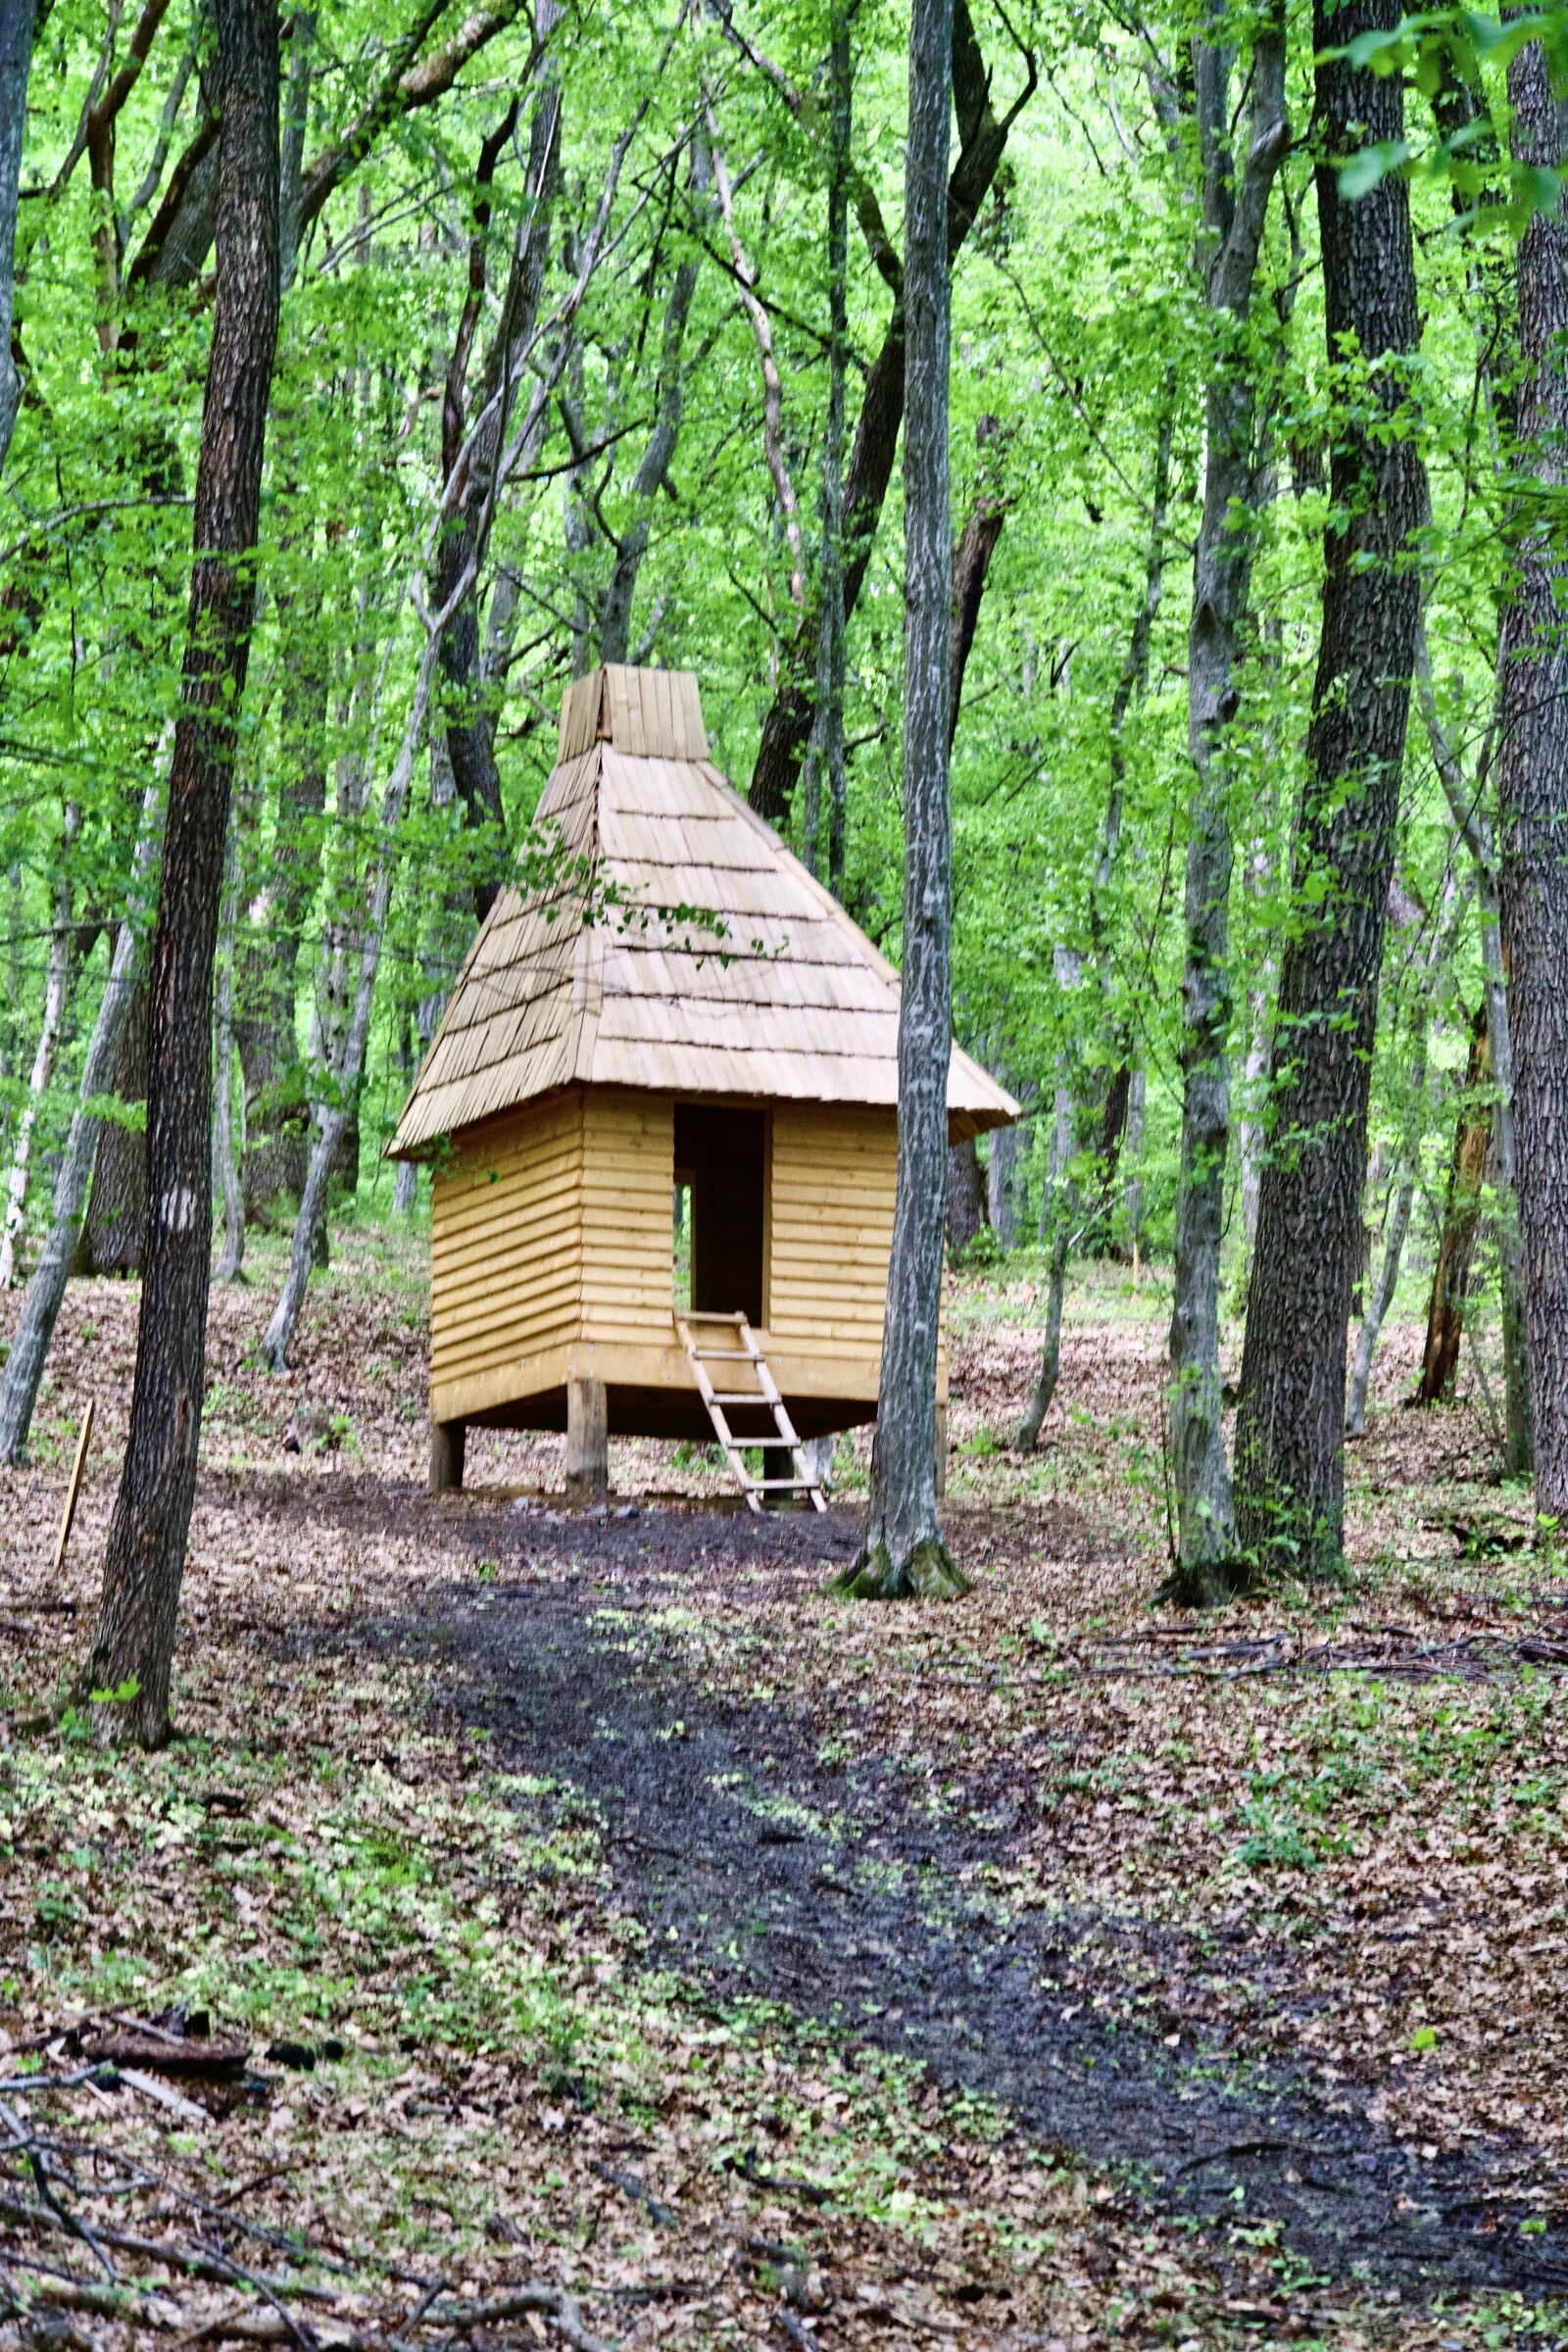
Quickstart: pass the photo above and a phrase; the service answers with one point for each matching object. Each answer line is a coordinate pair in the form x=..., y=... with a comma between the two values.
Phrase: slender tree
x=905, y=1552
x=1235, y=210
x=134, y=1643
x=1289, y=1434
x=825, y=755
x=1533, y=779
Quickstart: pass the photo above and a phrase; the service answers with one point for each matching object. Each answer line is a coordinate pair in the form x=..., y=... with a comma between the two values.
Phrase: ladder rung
x=741, y=1442
x=777, y=1486
x=740, y=1396
x=723, y=1356
x=705, y=1315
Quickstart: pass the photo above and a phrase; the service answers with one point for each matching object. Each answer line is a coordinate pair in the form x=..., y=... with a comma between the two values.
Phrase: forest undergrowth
x=359, y=2045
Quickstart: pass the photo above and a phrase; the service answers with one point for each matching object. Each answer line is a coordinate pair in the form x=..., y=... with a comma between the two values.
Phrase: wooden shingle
x=591, y=974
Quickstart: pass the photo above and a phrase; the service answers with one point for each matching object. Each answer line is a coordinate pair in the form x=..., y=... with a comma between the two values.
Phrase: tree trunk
x=1026, y=1438
x=1289, y=1435
x=227, y=1184
x=1533, y=784
x=1207, y=1567
x=1461, y=1222
x=1132, y=1160
x=1002, y=1185
x=1382, y=1298
x=266, y=951
x=825, y=756
x=1466, y=798
x=905, y=1552
x=15, y=61
x=40, y=1306
x=983, y=141
x=971, y=565
x=114, y=1238
x=134, y=1643
x=56, y=979
x=470, y=723
x=966, y=1197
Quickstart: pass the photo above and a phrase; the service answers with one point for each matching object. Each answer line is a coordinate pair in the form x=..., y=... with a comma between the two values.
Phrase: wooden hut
x=677, y=1023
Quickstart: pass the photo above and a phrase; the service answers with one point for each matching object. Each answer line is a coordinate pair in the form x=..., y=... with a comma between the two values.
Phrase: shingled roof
x=677, y=945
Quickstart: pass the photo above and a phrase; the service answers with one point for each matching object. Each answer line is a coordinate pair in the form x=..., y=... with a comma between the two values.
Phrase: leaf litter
x=501, y=2105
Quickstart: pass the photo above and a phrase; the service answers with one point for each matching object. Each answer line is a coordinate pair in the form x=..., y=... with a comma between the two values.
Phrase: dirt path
x=765, y=1870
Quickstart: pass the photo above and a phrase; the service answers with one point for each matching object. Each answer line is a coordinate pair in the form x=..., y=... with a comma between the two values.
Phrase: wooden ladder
x=748, y=1354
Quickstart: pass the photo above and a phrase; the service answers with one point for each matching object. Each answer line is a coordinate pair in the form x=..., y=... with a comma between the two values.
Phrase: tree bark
x=966, y=1197
x=1207, y=1565
x=16, y=19
x=1289, y=1435
x=56, y=979
x=1533, y=784
x=228, y=1185
x=983, y=141
x=114, y=1237
x=1466, y=801
x=268, y=947
x=825, y=753
x=133, y=1642
x=469, y=722
x=905, y=1552
x=1461, y=1222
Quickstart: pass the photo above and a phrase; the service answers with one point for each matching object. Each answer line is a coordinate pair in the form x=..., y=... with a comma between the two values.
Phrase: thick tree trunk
x=905, y=1552
x=134, y=1643
x=16, y=19
x=114, y=1238
x=1289, y=1435
x=1461, y=1222
x=40, y=1306
x=983, y=141
x=1533, y=784
x=1207, y=1566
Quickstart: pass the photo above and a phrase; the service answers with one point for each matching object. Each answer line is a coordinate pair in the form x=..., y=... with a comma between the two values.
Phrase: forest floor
x=606, y=1936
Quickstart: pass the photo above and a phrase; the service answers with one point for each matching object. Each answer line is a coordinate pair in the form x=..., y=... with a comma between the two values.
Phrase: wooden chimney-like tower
x=679, y=1020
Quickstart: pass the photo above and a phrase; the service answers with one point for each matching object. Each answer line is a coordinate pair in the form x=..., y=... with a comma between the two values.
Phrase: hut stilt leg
x=942, y=1451
x=587, y=1441
x=447, y=1447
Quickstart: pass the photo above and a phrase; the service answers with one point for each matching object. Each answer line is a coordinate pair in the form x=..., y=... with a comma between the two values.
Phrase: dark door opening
x=720, y=1162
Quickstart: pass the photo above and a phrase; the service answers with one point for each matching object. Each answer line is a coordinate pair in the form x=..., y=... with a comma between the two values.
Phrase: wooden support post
x=587, y=1441
x=942, y=1451
x=448, y=1444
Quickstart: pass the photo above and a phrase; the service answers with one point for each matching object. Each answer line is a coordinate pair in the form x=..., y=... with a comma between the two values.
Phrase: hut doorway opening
x=720, y=1190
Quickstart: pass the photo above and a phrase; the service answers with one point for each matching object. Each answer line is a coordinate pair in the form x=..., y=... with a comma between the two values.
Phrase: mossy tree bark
x=134, y=1643
x=905, y=1553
